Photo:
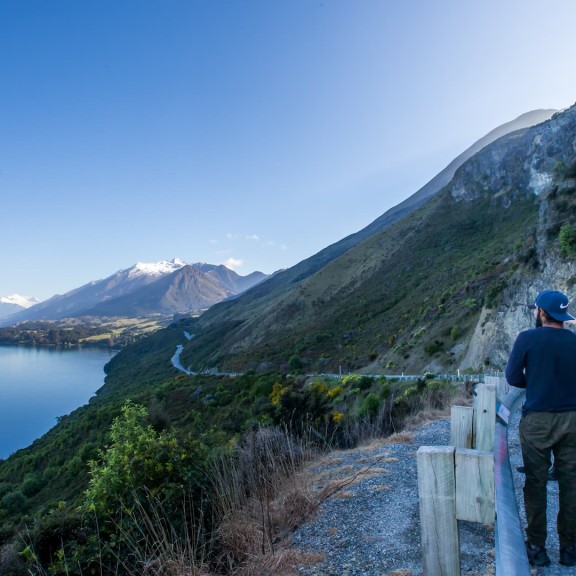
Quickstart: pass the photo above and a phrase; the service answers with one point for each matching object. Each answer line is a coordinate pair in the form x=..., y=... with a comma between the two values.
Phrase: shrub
x=333, y=392
x=567, y=239
x=454, y=333
x=138, y=458
x=337, y=417
x=357, y=381
x=14, y=502
x=31, y=485
x=433, y=347
x=370, y=405
x=5, y=487
x=494, y=293
x=295, y=365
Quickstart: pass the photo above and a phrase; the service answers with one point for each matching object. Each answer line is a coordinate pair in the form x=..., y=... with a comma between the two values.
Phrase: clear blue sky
x=254, y=132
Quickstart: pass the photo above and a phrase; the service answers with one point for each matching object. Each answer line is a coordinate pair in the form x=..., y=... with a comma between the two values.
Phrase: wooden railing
x=471, y=479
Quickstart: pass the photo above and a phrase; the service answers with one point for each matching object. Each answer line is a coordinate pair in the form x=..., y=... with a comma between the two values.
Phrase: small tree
x=141, y=476
x=138, y=458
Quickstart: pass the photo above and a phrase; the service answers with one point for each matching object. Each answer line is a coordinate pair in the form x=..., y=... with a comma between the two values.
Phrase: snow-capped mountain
x=185, y=290
x=17, y=300
x=10, y=305
x=124, y=293
x=158, y=269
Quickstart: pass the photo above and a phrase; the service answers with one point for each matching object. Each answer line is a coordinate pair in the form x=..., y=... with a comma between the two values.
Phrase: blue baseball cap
x=554, y=303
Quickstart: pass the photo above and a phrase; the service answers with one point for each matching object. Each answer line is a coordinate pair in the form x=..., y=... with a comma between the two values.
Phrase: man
x=543, y=361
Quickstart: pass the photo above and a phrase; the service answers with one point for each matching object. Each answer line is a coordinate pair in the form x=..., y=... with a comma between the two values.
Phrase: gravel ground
x=372, y=526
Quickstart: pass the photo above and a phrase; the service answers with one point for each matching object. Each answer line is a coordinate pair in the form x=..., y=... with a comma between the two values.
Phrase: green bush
x=5, y=487
x=295, y=365
x=454, y=333
x=567, y=239
x=14, y=502
x=31, y=485
x=438, y=393
x=494, y=294
x=139, y=458
x=370, y=405
x=357, y=381
x=433, y=347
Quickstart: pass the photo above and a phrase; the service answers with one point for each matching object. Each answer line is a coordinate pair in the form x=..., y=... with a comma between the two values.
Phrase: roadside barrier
x=471, y=479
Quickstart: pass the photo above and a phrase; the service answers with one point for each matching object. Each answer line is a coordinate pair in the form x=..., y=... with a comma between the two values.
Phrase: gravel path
x=372, y=526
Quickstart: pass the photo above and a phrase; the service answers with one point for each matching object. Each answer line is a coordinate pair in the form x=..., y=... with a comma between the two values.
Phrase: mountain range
x=161, y=288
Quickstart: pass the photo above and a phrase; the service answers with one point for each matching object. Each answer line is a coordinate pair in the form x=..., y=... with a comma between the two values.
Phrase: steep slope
x=275, y=287
x=445, y=176
x=230, y=279
x=409, y=297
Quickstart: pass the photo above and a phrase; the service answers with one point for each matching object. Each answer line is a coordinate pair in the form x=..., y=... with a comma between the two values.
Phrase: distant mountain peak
x=157, y=268
x=18, y=300
x=165, y=287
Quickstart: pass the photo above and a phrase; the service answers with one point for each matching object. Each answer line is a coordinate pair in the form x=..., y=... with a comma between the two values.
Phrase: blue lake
x=38, y=385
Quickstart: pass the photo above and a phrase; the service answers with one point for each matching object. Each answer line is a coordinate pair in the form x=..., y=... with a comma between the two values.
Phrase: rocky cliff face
x=495, y=332
x=539, y=161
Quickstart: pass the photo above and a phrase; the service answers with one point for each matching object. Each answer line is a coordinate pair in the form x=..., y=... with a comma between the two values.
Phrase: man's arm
x=515, y=367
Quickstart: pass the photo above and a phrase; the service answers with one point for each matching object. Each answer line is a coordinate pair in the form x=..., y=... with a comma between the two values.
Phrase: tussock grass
x=157, y=548
x=262, y=494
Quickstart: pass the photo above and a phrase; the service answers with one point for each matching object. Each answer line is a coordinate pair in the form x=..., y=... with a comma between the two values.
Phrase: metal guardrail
x=511, y=558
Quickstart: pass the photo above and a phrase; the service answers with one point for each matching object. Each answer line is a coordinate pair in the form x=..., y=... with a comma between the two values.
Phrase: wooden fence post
x=461, y=426
x=484, y=417
x=475, y=486
x=502, y=386
x=438, y=524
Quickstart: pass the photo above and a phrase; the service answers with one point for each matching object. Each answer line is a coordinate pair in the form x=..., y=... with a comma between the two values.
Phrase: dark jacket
x=543, y=360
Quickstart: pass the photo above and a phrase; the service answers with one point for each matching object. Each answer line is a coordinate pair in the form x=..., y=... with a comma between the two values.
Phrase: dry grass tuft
x=285, y=563
x=265, y=492
x=396, y=438
x=425, y=417
x=345, y=495
x=381, y=488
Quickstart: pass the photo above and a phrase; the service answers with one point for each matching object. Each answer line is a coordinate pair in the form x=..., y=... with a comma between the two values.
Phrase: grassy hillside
x=390, y=304
x=66, y=494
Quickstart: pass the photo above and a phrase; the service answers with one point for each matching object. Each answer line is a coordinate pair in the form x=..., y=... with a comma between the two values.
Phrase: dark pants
x=543, y=434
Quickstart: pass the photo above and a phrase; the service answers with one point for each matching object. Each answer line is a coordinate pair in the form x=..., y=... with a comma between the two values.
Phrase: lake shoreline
x=39, y=384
